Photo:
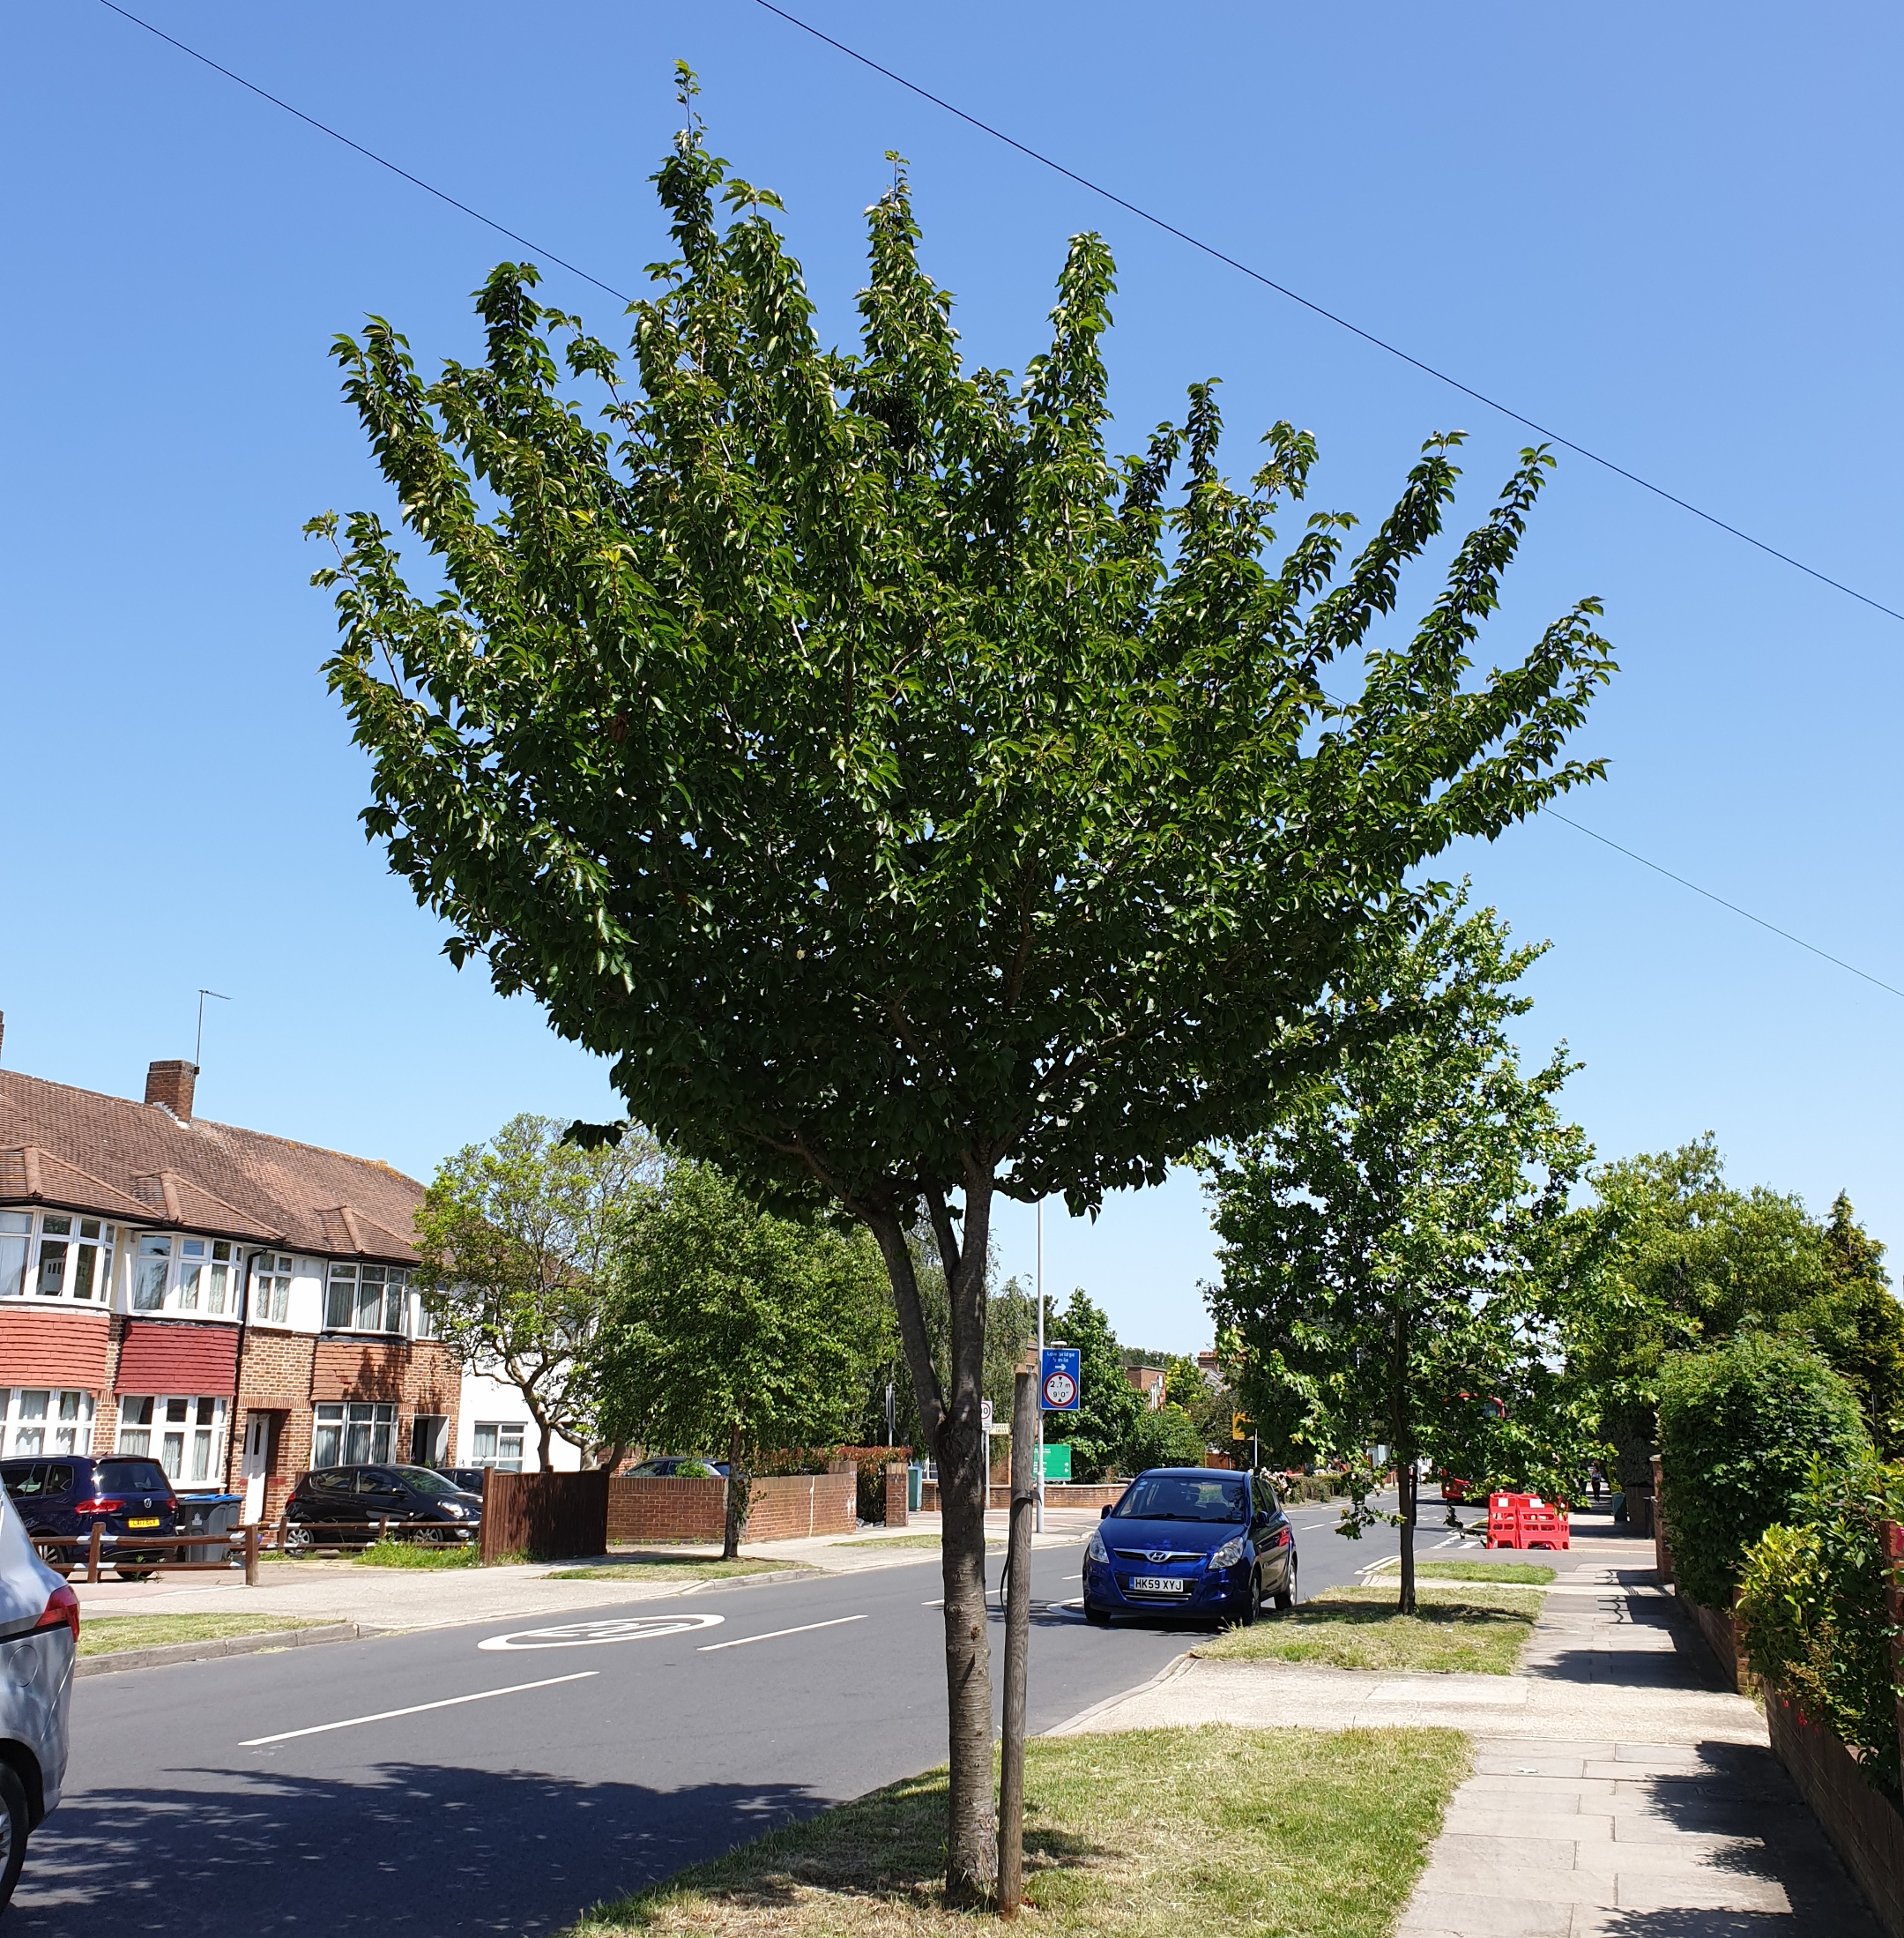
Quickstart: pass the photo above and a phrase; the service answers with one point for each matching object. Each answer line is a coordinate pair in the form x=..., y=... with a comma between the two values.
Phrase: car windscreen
x=426, y=1480
x=130, y=1477
x=1181, y=1497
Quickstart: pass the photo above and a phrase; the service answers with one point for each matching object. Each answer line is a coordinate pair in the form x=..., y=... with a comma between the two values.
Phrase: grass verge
x=419, y=1554
x=1281, y=1833
x=1472, y=1626
x=111, y=1635
x=1536, y=1574
x=670, y=1567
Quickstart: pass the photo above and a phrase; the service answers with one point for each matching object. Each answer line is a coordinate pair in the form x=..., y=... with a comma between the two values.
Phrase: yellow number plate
x=154, y=1522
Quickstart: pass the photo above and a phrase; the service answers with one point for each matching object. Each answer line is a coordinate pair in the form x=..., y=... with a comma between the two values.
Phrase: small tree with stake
x=1394, y=1249
x=915, y=802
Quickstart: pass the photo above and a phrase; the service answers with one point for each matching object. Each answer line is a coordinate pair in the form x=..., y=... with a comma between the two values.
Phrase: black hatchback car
x=63, y=1499
x=422, y=1505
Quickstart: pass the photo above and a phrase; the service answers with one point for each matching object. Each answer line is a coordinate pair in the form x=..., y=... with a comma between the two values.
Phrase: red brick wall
x=1865, y=1827
x=646, y=1508
x=1058, y=1493
x=896, y=1512
x=789, y=1506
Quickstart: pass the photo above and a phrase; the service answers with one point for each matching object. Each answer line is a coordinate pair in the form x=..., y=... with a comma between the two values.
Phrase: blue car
x=1196, y=1542
x=60, y=1499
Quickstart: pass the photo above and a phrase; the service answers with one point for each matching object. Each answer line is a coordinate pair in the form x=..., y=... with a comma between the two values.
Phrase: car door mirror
x=1103, y=1513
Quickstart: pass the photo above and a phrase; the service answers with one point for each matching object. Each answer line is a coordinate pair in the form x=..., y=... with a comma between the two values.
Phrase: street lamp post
x=1038, y=1517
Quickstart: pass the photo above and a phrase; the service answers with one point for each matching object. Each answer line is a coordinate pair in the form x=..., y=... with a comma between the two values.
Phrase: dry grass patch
x=109, y=1635
x=1473, y=1626
x=1153, y=1834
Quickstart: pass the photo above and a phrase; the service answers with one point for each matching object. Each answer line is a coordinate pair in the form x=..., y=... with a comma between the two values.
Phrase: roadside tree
x=732, y=1329
x=1109, y=1406
x=913, y=800
x=515, y=1236
x=1386, y=1246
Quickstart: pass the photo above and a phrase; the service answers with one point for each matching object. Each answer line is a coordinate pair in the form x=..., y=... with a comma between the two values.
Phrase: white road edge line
x=741, y=1642
x=415, y=1708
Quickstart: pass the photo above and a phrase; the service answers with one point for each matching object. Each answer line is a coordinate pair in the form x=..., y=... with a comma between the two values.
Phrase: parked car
x=425, y=1505
x=125, y=1494
x=1201, y=1541
x=668, y=1466
x=469, y=1479
x=38, y=1638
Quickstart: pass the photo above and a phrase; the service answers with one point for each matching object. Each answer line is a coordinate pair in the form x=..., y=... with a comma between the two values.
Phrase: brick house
x=234, y=1304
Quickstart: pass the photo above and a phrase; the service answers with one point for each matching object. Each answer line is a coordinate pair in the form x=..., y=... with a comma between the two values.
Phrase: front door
x=256, y=1465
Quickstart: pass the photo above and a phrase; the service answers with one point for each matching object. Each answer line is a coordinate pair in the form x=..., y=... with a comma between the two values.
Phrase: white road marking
x=589, y=1634
x=741, y=1642
x=415, y=1708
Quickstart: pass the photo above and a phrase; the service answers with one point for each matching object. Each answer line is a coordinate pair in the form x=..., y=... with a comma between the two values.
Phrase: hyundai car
x=1198, y=1542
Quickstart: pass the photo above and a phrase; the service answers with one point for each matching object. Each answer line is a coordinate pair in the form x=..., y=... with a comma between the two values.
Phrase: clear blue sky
x=1672, y=236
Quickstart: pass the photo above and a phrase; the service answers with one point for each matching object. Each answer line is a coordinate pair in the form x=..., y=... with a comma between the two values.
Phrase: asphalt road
x=519, y=1784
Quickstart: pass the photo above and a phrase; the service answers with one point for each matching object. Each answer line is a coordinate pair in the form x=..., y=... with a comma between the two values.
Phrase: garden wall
x=781, y=1507
x=1865, y=1827
x=1058, y=1493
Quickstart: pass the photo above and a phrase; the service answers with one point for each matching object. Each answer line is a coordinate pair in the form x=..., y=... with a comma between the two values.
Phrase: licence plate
x=154, y=1522
x=1158, y=1585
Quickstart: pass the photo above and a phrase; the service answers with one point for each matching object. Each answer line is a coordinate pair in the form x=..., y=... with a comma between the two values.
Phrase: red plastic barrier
x=1524, y=1520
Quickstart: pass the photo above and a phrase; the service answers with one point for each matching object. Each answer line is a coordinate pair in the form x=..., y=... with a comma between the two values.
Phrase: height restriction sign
x=1059, y=1380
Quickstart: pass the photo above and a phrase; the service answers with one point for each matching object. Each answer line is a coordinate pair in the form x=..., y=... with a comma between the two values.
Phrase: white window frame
x=184, y=1432
x=66, y=1243
x=186, y=1273
x=53, y=1422
x=346, y=1285
x=353, y=1433
x=272, y=1273
x=499, y=1443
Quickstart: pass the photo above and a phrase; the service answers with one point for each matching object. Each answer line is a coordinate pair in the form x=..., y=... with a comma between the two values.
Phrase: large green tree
x=1109, y=1406
x=912, y=798
x=1385, y=1246
x=735, y=1329
x=516, y=1236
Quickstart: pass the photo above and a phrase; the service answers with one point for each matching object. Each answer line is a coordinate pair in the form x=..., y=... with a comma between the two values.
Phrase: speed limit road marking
x=589, y=1634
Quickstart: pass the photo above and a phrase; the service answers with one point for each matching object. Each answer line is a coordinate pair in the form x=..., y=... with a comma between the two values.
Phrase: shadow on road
x=400, y=1847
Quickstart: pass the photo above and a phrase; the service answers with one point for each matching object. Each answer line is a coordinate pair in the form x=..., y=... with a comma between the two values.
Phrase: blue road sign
x=1060, y=1384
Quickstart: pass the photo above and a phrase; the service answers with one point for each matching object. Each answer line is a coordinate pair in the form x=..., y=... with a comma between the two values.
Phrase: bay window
x=184, y=1433
x=73, y=1259
x=151, y=1274
x=44, y=1420
x=194, y=1275
x=353, y=1433
x=366, y=1299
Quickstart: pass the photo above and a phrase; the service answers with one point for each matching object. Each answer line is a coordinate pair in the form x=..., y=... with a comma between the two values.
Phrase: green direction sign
x=1058, y=1461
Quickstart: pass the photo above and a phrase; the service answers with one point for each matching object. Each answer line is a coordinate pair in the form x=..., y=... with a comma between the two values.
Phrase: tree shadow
x=412, y=1848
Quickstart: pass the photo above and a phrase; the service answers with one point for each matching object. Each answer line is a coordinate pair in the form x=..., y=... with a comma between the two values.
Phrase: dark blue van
x=124, y=1495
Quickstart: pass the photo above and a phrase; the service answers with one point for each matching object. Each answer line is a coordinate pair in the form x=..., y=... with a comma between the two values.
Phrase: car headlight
x=1229, y=1555
x=1095, y=1547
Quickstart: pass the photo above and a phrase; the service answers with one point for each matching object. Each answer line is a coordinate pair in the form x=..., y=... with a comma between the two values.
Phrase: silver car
x=39, y=1639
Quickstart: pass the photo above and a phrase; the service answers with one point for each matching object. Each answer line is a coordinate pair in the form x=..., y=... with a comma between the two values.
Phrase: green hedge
x=1811, y=1608
x=1740, y=1427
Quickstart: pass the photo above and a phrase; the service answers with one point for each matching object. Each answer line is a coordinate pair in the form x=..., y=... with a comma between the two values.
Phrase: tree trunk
x=737, y=1490
x=611, y=1458
x=952, y=1422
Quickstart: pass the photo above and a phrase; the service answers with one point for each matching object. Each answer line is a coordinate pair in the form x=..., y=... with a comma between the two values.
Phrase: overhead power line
x=1329, y=316
x=370, y=155
x=477, y=215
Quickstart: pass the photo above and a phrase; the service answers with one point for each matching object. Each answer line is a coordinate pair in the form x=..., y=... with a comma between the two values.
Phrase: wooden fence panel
x=547, y=1516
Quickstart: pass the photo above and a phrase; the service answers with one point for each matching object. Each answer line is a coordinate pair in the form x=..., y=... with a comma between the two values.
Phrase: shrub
x=1811, y=1608
x=1739, y=1428
x=694, y=1470
x=1164, y=1436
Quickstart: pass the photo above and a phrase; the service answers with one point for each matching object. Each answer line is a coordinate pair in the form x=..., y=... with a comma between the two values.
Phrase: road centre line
x=741, y=1642
x=415, y=1708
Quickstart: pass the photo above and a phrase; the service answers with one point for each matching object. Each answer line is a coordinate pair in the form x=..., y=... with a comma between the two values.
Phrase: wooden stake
x=1024, y=1428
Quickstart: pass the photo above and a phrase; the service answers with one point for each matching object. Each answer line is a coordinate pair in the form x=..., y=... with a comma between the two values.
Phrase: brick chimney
x=170, y=1083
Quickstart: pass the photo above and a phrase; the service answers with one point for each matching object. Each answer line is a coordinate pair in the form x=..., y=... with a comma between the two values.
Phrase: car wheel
x=1285, y=1596
x=54, y=1553
x=1098, y=1618
x=12, y=1830
x=297, y=1538
x=1252, y=1602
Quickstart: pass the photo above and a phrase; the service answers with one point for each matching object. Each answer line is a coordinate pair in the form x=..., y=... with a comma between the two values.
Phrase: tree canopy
x=1386, y=1245
x=911, y=798
x=735, y=1330
x=517, y=1237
